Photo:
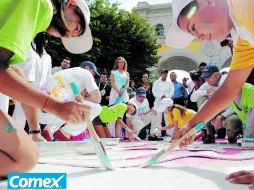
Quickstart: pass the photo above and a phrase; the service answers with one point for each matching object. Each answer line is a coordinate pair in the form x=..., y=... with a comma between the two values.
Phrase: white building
x=160, y=16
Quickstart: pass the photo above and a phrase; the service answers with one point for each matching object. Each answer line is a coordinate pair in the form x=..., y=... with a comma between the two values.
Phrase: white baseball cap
x=176, y=37
x=165, y=103
x=83, y=43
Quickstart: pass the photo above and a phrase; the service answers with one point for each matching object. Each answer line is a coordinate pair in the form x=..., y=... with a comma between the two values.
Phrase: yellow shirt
x=176, y=117
x=242, y=14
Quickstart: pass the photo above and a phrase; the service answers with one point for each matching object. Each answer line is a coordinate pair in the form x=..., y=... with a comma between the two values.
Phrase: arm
x=171, y=90
x=94, y=96
x=202, y=91
x=128, y=81
x=128, y=123
x=155, y=90
x=121, y=123
x=185, y=94
x=112, y=79
x=18, y=88
x=175, y=130
x=220, y=99
x=167, y=127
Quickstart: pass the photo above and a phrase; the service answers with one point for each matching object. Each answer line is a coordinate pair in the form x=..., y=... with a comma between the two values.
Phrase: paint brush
x=99, y=148
x=162, y=153
x=132, y=133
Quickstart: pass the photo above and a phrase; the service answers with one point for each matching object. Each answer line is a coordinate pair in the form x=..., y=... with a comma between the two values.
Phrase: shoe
x=47, y=135
x=154, y=138
x=61, y=136
x=48, y=132
x=208, y=139
x=221, y=133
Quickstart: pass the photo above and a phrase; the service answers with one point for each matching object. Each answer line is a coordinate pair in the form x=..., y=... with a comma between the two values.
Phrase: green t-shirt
x=112, y=113
x=247, y=102
x=20, y=21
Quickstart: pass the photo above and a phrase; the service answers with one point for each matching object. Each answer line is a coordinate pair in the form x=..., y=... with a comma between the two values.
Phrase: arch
x=179, y=63
x=159, y=30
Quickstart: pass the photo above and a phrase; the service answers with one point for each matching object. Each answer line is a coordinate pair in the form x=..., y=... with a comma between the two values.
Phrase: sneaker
x=48, y=132
x=154, y=138
x=60, y=135
x=47, y=135
x=208, y=139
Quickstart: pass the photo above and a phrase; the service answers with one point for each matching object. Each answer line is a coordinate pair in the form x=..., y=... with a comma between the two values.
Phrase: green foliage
x=115, y=33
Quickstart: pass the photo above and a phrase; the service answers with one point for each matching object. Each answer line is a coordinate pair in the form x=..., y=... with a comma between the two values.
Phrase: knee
x=30, y=160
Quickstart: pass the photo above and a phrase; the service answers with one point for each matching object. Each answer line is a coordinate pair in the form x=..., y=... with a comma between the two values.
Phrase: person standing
x=119, y=82
x=148, y=86
x=180, y=93
x=65, y=64
x=104, y=88
x=162, y=88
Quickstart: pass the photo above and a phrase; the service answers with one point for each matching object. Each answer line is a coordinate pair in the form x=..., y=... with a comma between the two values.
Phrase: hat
x=175, y=36
x=209, y=70
x=164, y=71
x=91, y=65
x=83, y=43
x=165, y=103
x=141, y=92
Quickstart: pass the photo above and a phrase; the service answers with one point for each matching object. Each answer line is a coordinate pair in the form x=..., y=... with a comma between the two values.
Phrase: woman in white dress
x=119, y=82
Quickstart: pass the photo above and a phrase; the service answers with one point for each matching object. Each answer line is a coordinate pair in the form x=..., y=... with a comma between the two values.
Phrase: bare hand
x=210, y=91
x=242, y=177
x=187, y=140
x=107, y=98
x=72, y=111
x=120, y=93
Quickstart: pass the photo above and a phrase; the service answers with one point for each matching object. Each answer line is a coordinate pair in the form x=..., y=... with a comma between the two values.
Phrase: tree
x=115, y=33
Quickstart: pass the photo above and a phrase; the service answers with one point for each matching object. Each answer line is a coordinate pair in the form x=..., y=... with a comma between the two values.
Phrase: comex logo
x=36, y=181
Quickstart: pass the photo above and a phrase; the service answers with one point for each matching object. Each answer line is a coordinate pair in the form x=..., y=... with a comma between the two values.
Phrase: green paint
x=8, y=127
x=67, y=19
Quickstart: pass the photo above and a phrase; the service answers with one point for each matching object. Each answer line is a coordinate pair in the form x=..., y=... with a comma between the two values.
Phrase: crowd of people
x=223, y=101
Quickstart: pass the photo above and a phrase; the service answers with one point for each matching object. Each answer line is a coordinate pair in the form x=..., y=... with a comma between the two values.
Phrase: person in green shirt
x=243, y=105
x=111, y=114
x=20, y=22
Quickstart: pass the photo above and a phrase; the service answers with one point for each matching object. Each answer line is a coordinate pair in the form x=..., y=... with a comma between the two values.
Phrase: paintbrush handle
x=99, y=148
x=132, y=132
x=162, y=153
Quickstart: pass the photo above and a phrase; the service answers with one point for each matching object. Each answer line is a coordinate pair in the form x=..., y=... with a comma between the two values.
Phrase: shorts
x=97, y=121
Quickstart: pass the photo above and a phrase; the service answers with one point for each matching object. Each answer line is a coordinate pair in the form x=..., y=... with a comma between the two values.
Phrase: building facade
x=187, y=59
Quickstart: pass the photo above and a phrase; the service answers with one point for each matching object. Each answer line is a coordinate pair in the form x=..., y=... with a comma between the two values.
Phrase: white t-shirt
x=59, y=83
x=143, y=108
x=42, y=69
x=202, y=91
x=28, y=66
x=56, y=69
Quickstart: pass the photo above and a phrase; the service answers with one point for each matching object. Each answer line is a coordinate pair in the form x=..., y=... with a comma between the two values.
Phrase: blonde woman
x=119, y=82
x=176, y=115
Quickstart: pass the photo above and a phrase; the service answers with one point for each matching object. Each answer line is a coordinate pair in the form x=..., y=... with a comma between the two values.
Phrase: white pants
x=73, y=129
x=140, y=123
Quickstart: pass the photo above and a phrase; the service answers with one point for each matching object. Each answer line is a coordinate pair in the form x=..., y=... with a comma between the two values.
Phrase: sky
x=129, y=4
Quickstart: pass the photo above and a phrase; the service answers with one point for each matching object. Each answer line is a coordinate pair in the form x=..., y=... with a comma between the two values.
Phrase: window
x=159, y=30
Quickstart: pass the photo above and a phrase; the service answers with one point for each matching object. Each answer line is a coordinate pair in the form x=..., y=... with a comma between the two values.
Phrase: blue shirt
x=179, y=91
